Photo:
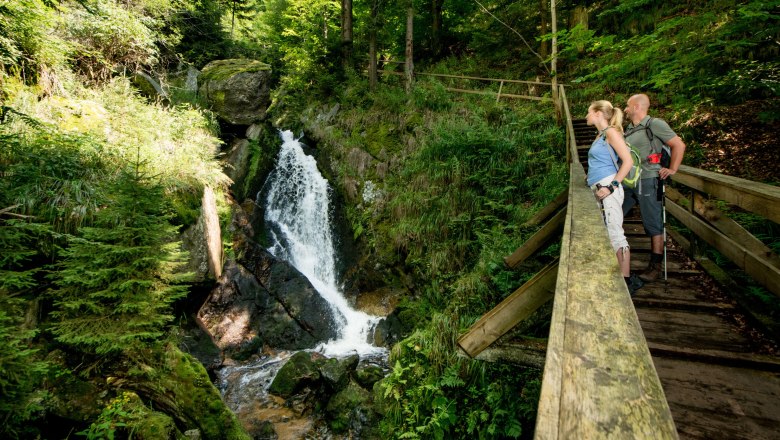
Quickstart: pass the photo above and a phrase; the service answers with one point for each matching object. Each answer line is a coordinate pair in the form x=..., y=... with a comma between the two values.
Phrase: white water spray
x=298, y=208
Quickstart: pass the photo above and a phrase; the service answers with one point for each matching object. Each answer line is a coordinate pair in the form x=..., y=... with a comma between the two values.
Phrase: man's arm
x=677, y=147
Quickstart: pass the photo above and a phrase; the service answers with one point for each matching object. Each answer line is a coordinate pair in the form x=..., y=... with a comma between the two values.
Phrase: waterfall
x=297, y=211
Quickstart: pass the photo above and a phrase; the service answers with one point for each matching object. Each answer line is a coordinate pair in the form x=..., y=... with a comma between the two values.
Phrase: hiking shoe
x=653, y=271
x=634, y=284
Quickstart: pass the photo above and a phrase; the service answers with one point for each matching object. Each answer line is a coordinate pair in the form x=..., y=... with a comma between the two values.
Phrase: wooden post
x=554, y=60
x=500, y=86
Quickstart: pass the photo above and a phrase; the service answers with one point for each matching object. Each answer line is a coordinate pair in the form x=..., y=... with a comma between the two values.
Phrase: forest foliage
x=96, y=181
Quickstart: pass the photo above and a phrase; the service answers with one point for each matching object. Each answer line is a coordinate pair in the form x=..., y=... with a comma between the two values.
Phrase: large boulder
x=237, y=90
x=242, y=315
x=298, y=372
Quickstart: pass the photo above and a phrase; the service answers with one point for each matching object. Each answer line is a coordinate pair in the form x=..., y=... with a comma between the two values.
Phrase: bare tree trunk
x=579, y=16
x=553, y=61
x=543, y=12
x=346, y=33
x=409, y=65
x=372, y=74
x=436, y=6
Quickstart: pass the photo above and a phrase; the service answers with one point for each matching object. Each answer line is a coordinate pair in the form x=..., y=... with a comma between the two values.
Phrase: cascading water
x=297, y=210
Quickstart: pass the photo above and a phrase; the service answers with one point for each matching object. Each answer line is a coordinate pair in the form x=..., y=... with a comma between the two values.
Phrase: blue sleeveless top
x=600, y=164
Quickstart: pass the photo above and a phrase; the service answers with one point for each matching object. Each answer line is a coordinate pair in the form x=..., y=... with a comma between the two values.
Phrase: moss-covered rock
x=181, y=388
x=369, y=375
x=336, y=372
x=237, y=90
x=349, y=408
x=298, y=372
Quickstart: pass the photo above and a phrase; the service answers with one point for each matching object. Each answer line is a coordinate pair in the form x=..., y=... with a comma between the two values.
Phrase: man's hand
x=663, y=173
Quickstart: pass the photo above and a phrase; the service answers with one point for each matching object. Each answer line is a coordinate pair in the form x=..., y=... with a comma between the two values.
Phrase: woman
x=605, y=175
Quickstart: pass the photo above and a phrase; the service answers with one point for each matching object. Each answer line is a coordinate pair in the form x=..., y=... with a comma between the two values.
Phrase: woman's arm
x=618, y=143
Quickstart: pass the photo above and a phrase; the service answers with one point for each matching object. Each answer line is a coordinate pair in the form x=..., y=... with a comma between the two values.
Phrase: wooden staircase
x=720, y=375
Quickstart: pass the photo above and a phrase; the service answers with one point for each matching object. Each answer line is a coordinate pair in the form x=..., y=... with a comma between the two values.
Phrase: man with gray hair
x=649, y=135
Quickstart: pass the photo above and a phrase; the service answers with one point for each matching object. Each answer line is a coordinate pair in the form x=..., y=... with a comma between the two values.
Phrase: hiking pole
x=663, y=218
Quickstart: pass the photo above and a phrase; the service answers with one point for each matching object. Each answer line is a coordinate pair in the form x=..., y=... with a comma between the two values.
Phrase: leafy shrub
x=108, y=38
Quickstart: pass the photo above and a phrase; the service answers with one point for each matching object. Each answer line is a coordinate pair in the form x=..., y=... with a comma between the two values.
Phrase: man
x=648, y=193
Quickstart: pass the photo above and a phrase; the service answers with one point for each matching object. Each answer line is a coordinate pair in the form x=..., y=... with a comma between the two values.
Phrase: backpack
x=666, y=156
x=634, y=176
x=635, y=173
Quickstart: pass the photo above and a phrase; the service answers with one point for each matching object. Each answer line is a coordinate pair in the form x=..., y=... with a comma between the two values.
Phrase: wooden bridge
x=678, y=360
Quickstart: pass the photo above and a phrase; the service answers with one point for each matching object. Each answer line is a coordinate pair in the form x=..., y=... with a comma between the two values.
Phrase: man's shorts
x=650, y=206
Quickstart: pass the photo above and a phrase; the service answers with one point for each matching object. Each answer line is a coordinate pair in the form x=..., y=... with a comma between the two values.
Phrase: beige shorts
x=612, y=205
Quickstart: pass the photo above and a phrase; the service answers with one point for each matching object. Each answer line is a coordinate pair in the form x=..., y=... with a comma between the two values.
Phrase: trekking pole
x=663, y=217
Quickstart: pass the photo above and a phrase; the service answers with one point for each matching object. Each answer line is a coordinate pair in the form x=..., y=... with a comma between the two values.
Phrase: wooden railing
x=599, y=379
x=501, y=82
x=708, y=223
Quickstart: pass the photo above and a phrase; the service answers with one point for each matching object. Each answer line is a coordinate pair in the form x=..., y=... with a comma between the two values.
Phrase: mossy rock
x=187, y=387
x=336, y=372
x=237, y=90
x=223, y=69
x=298, y=372
x=348, y=409
x=368, y=376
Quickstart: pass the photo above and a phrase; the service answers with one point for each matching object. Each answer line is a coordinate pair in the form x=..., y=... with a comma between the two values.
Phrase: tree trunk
x=409, y=65
x=372, y=74
x=579, y=16
x=543, y=12
x=436, y=7
x=346, y=33
x=553, y=61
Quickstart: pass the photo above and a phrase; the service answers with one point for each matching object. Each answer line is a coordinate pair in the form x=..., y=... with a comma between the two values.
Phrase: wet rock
x=369, y=375
x=388, y=331
x=294, y=292
x=349, y=409
x=237, y=90
x=242, y=315
x=336, y=372
x=298, y=373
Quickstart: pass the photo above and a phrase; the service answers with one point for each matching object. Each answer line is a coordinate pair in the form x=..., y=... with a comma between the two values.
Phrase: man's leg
x=652, y=219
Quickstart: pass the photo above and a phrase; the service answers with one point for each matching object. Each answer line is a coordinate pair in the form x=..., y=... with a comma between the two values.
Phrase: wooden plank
x=520, y=353
x=516, y=307
x=755, y=197
x=721, y=402
x=720, y=357
x=557, y=203
x=548, y=232
x=758, y=268
x=599, y=379
x=724, y=224
x=516, y=81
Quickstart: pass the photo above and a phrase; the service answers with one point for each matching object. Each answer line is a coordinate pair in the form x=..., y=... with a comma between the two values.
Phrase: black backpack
x=666, y=157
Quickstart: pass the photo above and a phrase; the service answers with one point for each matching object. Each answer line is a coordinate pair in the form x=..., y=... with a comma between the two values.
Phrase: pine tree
x=115, y=285
x=21, y=368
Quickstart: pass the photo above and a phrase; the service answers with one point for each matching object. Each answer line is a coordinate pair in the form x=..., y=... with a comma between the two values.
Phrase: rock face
x=237, y=90
x=262, y=301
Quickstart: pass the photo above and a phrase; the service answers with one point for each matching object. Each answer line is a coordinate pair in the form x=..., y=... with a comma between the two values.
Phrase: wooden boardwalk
x=721, y=377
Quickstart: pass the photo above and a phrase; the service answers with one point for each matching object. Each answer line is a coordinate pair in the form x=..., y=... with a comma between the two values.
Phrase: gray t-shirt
x=638, y=137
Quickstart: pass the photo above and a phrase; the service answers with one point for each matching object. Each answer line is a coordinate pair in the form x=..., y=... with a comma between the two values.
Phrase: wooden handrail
x=599, y=379
x=727, y=237
x=759, y=198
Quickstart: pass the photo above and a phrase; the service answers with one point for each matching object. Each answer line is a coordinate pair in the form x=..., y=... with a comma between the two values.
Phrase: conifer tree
x=21, y=366
x=116, y=282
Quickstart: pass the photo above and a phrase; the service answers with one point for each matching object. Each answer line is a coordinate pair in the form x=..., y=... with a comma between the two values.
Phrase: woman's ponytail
x=613, y=115
x=616, y=120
